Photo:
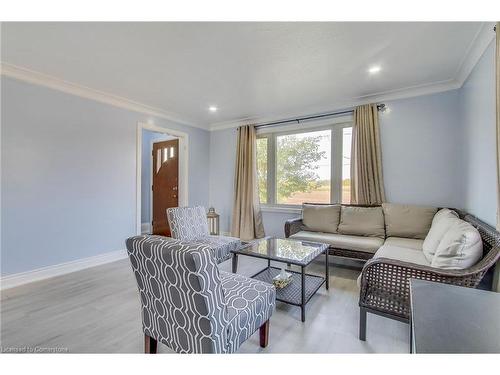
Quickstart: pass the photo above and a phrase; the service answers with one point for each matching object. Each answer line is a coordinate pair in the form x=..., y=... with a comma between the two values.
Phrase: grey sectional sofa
x=400, y=242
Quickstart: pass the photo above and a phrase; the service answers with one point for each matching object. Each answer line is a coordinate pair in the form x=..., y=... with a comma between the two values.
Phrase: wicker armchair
x=385, y=283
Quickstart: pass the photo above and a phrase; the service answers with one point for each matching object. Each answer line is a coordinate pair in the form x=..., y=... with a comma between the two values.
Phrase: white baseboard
x=145, y=228
x=38, y=274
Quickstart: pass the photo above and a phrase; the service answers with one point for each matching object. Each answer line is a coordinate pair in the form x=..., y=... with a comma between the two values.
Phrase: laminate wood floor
x=97, y=310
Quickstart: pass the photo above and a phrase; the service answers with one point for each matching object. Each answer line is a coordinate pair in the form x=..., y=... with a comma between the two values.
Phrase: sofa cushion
x=321, y=218
x=410, y=243
x=403, y=254
x=461, y=247
x=362, y=221
x=402, y=220
x=441, y=222
x=341, y=241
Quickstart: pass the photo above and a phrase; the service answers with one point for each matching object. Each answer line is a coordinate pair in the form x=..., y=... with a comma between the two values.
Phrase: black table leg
x=362, y=324
x=303, y=305
x=235, y=262
x=327, y=270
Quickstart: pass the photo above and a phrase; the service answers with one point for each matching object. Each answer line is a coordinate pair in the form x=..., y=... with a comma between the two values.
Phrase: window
x=346, y=165
x=262, y=168
x=304, y=166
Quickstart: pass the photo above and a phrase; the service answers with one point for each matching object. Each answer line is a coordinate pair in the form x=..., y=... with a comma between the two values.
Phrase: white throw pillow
x=461, y=247
x=441, y=222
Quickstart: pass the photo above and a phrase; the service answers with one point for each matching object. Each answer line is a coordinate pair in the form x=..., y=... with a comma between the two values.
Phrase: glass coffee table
x=300, y=253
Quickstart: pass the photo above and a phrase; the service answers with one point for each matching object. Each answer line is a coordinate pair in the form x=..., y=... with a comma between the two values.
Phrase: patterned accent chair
x=191, y=306
x=190, y=224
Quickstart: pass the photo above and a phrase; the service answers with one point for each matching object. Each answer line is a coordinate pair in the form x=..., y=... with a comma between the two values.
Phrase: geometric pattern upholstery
x=221, y=246
x=188, y=304
x=190, y=224
x=187, y=223
x=249, y=302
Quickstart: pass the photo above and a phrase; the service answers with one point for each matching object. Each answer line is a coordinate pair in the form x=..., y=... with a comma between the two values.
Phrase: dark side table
x=453, y=319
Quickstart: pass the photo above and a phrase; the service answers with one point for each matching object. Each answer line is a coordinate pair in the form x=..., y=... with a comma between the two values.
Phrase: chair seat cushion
x=341, y=241
x=410, y=243
x=221, y=245
x=250, y=304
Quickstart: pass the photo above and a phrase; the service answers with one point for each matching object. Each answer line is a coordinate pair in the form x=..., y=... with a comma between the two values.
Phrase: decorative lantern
x=213, y=221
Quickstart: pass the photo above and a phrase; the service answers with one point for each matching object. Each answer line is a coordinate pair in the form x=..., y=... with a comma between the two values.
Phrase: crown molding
x=41, y=79
x=475, y=51
x=477, y=47
x=408, y=92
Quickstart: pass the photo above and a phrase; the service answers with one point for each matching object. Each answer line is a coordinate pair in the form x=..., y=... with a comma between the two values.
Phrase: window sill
x=281, y=209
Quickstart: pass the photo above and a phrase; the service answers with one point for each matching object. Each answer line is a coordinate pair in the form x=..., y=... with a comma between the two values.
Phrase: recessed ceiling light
x=374, y=69
x=212, y=108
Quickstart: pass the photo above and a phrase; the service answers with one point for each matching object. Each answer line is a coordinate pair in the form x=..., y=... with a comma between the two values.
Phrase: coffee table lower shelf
x=292, y=293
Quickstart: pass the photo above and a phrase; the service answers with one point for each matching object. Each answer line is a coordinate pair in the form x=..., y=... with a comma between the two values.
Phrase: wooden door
x=165, y=183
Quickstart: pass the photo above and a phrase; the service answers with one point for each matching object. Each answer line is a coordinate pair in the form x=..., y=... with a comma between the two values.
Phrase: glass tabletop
x=291, y=251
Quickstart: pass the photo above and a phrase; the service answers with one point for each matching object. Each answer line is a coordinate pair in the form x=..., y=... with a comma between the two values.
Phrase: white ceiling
x=248, y=70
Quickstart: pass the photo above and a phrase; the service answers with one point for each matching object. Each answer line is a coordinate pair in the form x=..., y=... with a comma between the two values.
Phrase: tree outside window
x=301, y=167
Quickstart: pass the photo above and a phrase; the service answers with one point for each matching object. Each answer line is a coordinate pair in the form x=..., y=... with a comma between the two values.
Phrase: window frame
x=336, y=154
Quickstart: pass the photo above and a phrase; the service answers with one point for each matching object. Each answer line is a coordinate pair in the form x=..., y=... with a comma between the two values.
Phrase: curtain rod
x=380, y=107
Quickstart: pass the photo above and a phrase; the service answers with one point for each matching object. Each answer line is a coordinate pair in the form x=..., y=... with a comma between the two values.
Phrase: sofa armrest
x=293, y=226
x=385, y=283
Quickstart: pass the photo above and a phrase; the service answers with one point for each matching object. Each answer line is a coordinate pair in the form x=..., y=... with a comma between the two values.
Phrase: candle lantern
x=213, y=221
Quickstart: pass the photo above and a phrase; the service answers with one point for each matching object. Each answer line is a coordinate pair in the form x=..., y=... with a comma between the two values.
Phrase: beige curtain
x=497, y=54
x=367, y=183
x=247, y=219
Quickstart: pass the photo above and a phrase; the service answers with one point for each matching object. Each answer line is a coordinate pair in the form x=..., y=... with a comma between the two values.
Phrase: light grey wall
x=477, y=110
x=421, y=148
x=148, y=138
x=222, y=163
x=69, y=175
x=420, y=142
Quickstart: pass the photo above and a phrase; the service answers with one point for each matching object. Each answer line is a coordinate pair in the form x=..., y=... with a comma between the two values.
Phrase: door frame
x=183, y=165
